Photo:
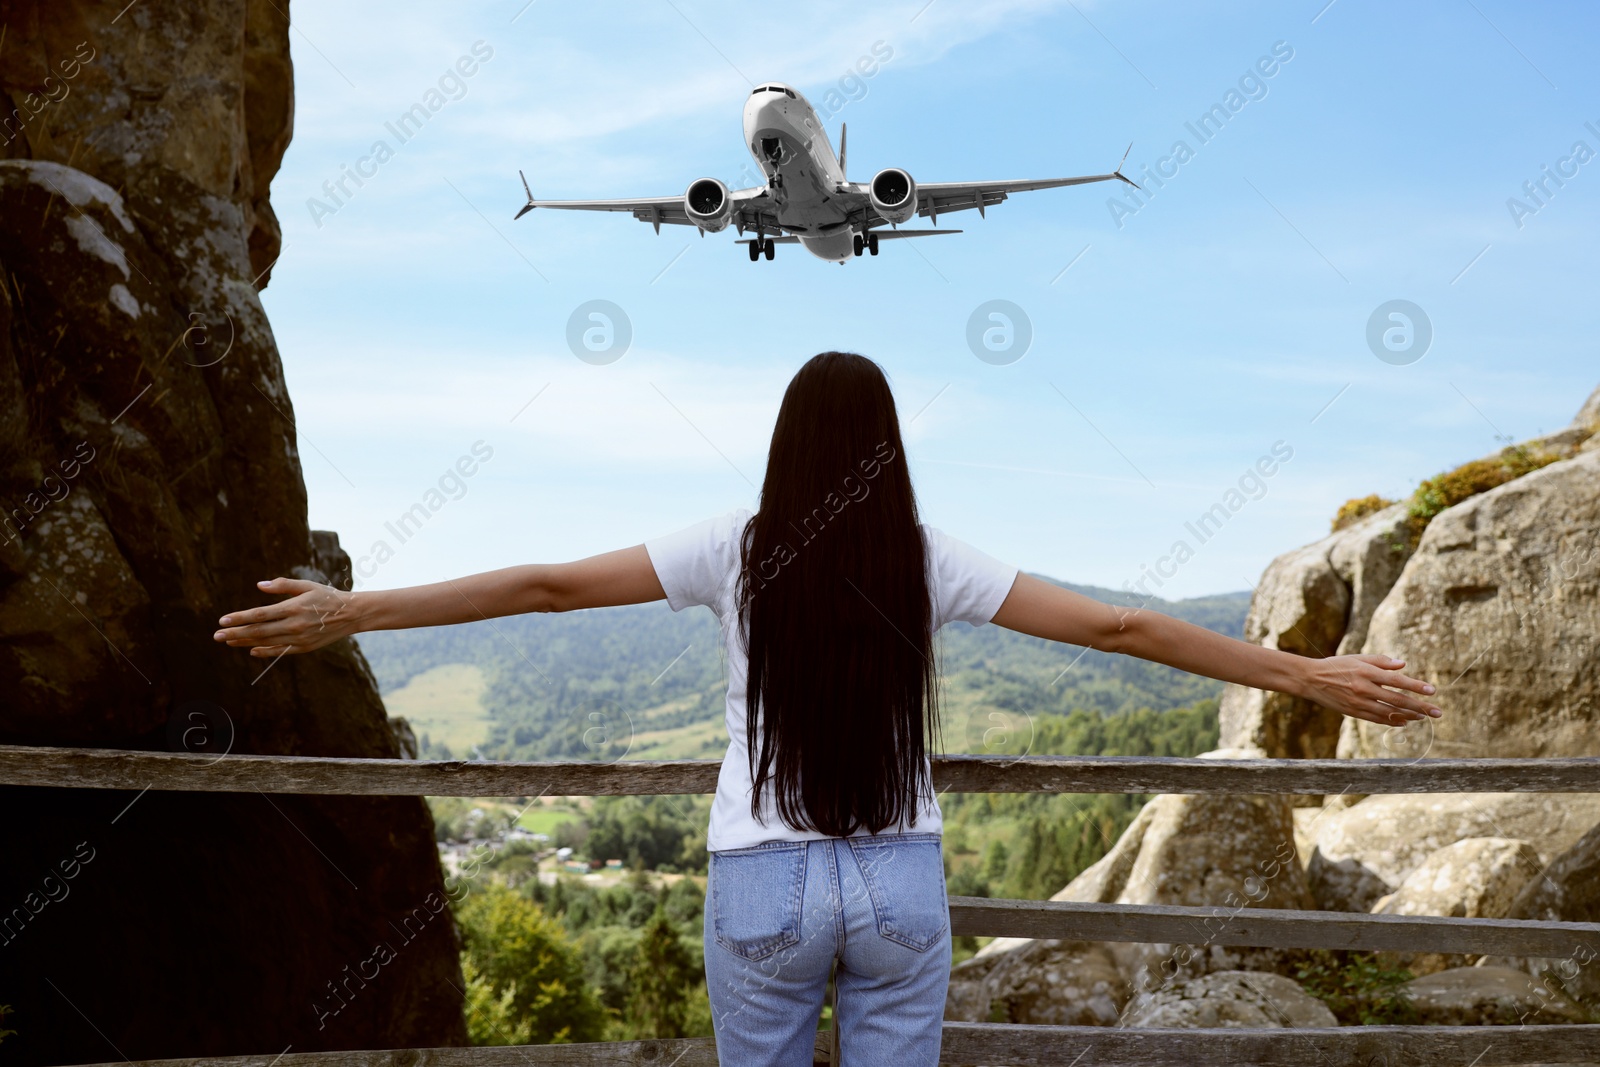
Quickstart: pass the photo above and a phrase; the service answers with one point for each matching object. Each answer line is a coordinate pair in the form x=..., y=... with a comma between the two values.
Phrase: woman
x=824, y=832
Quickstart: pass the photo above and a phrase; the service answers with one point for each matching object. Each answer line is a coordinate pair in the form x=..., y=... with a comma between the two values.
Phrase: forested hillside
x=642, y=682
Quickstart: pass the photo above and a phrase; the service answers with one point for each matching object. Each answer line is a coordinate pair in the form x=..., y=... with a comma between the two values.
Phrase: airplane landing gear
x=860, y=244
x=760, y=246
x=772, y=249
x=872, y=243
x=755, y=250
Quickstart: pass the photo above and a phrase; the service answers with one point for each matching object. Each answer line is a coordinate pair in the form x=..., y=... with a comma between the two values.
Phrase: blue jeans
x=779, y=914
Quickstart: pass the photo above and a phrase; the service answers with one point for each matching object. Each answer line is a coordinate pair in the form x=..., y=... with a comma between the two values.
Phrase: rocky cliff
x=1487, y=582
x=149, y=476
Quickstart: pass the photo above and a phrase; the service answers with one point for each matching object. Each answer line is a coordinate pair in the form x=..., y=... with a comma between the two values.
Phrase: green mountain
x=644, y=682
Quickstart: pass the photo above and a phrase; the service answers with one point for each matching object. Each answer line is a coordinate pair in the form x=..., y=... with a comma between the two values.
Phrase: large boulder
x=1218, y=851
x=1568, y=890
x=1488, y=996
x=1500, y=608
x=150, y=475
x=1364, y=852
x=1314, y=601
x=1478, y=877
x=1198, y=850
x=1229, y=999
x=1215, y=849
x=1059, y=983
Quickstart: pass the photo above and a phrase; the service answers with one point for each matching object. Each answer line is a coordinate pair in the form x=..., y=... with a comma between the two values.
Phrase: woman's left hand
x=313, y=616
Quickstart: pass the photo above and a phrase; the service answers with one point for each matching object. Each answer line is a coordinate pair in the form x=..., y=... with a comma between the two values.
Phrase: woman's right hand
x=1368, y=687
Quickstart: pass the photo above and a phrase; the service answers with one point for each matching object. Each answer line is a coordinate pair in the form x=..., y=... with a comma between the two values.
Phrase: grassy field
x=702, y=740
x=538, y=815
x=446, y=703
x=545, y=820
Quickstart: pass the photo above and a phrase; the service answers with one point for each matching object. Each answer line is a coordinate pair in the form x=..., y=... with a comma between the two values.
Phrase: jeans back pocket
x=905, y=880
x=756, y=898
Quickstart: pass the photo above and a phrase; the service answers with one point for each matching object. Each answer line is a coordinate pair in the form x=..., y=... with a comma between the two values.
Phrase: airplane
x=807, y=200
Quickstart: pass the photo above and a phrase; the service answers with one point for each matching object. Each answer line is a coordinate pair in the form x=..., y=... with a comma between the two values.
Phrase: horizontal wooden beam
x=1157, y=924
x=1032, y=1046
x=1393, y=1046
x=92, y=768
x=1313, y=777
x=675, y=1052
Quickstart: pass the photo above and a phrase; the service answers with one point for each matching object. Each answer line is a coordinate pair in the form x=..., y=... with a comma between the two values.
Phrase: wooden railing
x=976, y=1043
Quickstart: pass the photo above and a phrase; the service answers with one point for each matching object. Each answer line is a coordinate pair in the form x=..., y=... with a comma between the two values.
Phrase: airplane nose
x=761, y=113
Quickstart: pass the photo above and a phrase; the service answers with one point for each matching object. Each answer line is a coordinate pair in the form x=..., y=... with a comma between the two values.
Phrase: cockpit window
x=791, y=93
x=758, y=91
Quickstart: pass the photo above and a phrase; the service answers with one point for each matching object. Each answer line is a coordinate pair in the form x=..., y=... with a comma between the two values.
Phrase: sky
x=1233, y=319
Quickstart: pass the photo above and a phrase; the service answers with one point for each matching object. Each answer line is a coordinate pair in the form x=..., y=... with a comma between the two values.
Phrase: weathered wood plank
x=1267, y=928
x=118, y=769
x=115, y=769
x=676, y=1052
x=1130, y=774
x=1391, y=1046
x=1036, y=1046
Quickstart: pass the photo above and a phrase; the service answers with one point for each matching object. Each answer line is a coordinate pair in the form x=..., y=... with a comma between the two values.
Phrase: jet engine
x=894, y=194
x=708, y=205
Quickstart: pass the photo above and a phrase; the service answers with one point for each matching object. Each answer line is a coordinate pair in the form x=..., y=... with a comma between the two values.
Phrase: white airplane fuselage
x=806, y=198
x=786, y=137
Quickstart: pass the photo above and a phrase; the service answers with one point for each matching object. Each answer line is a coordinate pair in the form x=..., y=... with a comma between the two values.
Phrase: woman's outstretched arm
x=1366, y=687
x=316, y=615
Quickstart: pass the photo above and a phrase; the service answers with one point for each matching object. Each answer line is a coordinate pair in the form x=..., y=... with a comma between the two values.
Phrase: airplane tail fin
x=529, y=205
x=1115, y=174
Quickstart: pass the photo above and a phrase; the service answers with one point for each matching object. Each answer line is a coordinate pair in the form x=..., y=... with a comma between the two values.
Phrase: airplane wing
x=887, y=235
x=752, y=208
x=936, y=198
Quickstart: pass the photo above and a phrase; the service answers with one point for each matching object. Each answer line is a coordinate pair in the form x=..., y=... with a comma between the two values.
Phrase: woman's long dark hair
x=833, y=594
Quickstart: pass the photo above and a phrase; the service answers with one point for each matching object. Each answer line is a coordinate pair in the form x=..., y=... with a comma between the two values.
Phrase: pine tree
x=662, y=979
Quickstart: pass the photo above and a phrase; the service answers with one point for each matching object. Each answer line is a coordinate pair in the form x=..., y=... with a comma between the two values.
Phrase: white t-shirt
x=700, y=565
